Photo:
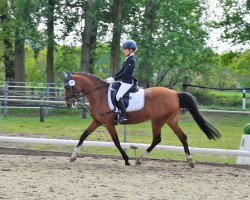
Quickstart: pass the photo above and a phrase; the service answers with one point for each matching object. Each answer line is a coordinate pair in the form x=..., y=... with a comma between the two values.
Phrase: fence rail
x=28, y=92
x=244, y=90
x=125, y=145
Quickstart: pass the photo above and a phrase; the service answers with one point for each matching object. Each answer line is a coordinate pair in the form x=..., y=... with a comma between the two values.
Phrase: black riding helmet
x=129, y=44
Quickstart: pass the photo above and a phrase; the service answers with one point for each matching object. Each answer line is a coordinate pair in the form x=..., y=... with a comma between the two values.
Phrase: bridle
x=78, y=95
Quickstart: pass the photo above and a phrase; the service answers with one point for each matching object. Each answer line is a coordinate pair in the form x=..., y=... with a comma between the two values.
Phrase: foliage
x=241, y=68
x=247, y=128
x=219, y=98
x=235, y=21
x=67, y=58
x=35, y=65
x=170, y=39
x=101, y=68
x=170, y=36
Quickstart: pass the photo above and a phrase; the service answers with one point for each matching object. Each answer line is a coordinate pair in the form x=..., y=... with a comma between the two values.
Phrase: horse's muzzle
x=69, y=103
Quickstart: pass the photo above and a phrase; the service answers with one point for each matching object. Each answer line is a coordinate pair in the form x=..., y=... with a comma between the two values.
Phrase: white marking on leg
x=190, y=160
x=139, y=160
x=188, y=156
x=144, y=155
x=76, y=152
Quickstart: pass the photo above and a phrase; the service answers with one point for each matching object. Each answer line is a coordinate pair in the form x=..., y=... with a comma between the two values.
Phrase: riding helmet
x=129, y=44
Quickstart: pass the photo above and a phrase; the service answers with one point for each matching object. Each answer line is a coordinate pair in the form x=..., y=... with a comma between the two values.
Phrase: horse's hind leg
x=85, y=134
x=156, y=128
x=183, y=138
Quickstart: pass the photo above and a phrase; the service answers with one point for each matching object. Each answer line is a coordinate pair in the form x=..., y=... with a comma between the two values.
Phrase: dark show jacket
x=127, y=71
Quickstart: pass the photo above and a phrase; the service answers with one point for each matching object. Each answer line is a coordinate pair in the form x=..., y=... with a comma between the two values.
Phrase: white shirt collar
x=130, y=55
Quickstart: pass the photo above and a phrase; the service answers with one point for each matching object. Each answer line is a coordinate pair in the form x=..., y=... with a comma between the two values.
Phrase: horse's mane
x=89, y=75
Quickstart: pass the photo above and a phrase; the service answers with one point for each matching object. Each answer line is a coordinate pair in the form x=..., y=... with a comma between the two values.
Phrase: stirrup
x=122, y=120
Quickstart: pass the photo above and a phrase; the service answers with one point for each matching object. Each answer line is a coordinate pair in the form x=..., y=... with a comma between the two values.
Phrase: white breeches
x=123, y=89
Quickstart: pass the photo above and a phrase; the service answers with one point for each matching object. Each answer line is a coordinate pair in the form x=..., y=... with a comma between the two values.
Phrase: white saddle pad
x=136, y=100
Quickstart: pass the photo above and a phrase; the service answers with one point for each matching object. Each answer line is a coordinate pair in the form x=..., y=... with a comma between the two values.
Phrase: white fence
x=124, y=145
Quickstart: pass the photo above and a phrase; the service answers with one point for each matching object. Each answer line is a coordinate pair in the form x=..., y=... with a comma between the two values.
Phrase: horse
x=161, y=106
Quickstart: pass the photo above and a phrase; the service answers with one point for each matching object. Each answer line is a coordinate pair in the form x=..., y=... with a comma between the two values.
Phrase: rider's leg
x=122, y=90
x=123, y=117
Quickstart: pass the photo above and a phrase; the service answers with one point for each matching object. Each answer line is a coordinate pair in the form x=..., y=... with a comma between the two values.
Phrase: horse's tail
x=187, y=101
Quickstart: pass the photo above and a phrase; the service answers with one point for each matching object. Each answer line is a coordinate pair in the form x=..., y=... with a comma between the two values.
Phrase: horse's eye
x=67, y=88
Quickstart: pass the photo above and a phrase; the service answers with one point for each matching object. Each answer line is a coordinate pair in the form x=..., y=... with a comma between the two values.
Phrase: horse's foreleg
x=183, y=138
x=112, y=131
x=156, y=140
x=85, y=134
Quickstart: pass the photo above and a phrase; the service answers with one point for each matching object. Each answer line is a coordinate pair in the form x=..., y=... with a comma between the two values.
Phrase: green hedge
x=218, y=98
x=247, y=128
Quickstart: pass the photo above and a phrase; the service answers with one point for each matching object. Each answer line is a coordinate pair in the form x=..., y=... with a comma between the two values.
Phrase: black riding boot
x=123, y=117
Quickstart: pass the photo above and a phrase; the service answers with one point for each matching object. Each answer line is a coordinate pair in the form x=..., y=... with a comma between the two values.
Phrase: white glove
x=110, y=80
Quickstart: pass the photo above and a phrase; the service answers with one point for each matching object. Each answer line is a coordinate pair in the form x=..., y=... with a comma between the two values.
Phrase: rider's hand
x=110, y=80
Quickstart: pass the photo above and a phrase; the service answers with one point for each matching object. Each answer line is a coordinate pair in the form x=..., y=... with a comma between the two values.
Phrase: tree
x=50, y=41
x=117, y=30
x=170, y=39
x=235, y=22
x=148, y=28
x=7, y=38
x=92, y=16
x=241, y=69
x=18, y=22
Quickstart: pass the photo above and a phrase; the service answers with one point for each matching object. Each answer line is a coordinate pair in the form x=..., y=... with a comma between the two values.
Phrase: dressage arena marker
x=124, y=145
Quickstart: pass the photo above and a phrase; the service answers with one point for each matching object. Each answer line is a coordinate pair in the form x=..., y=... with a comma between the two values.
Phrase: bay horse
x=161, y=106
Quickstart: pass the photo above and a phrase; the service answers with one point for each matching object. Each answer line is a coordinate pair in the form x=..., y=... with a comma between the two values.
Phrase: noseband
x=76, y=94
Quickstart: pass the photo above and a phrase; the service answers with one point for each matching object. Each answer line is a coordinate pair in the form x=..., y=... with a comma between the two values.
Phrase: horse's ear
x=65, y=75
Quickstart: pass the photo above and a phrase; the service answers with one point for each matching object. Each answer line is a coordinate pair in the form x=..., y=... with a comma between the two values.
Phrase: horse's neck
x=92, y=88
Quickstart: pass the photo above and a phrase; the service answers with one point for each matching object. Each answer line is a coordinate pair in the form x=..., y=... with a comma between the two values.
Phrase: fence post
x=41, y=110
x=244, y=100
x=0, y=108
x=47, y=100
x=6, y=87
x=185, y=83
x=125, y=134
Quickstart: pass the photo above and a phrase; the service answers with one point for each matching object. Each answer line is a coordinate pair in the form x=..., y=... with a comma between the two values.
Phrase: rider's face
x=126, y=52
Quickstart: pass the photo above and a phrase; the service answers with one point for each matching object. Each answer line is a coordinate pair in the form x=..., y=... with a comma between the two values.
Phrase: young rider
x=125, y=75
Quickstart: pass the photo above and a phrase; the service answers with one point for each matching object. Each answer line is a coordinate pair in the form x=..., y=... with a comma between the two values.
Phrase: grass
x=71, y=126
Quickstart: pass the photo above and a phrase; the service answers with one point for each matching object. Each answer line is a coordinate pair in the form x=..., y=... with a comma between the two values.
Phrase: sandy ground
x=54, y=177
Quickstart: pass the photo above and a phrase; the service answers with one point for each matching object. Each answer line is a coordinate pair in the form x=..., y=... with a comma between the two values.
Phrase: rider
x=125, y=75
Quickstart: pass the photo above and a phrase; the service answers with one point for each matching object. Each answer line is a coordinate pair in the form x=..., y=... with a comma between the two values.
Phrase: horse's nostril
x=69, y=105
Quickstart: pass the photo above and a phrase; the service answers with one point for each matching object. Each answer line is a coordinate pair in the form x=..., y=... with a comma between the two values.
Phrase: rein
x=78, y=95
x=87, y=93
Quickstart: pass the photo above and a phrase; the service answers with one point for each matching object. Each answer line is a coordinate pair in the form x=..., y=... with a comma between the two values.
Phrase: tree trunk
x=145, y=69
x=117, y=29
x=89, y=36
x=8, y=60
x=19, y=59
x=8, y=54
x=50, y=42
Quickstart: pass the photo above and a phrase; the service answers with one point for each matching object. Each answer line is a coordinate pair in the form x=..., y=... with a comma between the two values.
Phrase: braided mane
x=89, y=75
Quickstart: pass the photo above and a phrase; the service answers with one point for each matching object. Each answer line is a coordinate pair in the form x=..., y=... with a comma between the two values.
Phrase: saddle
x=114, y=89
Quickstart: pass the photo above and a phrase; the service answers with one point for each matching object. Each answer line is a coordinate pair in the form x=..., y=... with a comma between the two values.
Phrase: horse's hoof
x=127, y=163
x=191, y=164
x=72, y=159
x=138, y=162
